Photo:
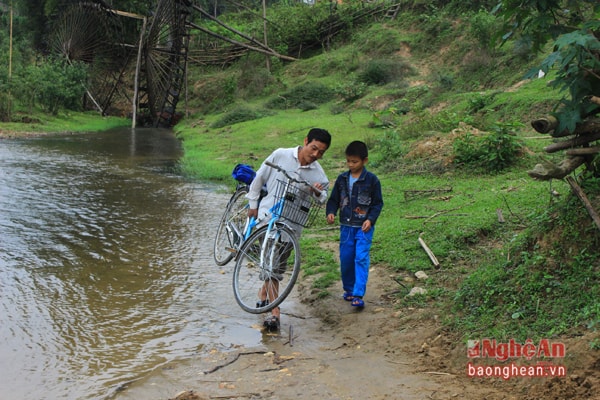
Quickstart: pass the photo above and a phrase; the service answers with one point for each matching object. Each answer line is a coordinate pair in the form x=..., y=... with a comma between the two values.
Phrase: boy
x=357, y=195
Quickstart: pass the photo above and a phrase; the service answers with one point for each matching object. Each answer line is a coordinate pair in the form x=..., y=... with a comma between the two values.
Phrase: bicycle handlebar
x=284, y=172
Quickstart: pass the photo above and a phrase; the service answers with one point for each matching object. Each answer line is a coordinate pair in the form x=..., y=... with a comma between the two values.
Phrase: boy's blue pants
x=355, y=246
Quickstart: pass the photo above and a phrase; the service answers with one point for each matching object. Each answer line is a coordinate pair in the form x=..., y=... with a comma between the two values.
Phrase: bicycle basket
x=243, y=173
x=299, y=205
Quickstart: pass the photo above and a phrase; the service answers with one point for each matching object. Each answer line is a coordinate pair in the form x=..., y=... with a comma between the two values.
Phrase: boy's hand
x=366, y=226
x=253, y=212
x=330, y=218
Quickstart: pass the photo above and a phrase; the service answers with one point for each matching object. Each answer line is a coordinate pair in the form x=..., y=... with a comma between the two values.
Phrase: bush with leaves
x=382, y=71
x=492, y=152
x=52, y=85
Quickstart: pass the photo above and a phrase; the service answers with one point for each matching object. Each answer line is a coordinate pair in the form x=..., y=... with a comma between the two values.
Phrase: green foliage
x=389, y=149
x=379, y=40
x=52, y=85
x=351, y=91
x=382, y=71
x=483, y=27
x=238, y=115
x=303, y=97
x=491, y=153
x=574, y=27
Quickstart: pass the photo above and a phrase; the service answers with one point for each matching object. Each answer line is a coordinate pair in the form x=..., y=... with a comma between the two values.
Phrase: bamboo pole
x=432, y=256
x=581, y=195
x=135, y=104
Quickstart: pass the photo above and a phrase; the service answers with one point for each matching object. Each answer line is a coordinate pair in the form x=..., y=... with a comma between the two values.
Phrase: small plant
x=313, y=92
x=238, y=115
x=491, y=153
x=351, y=91
x=382, y=71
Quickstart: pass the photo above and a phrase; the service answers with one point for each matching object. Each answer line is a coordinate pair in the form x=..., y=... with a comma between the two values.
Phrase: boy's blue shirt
x=365, y=201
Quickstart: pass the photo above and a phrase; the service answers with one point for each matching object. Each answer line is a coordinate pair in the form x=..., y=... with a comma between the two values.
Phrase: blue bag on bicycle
x=243, y=173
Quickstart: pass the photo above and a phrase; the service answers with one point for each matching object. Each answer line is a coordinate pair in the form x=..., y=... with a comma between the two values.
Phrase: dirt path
x=337, y=352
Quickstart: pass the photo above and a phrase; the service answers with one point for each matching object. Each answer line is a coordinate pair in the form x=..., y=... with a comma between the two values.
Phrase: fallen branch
x=438, y=373
x=409, y=194
x=234, y=359
x=588, y=206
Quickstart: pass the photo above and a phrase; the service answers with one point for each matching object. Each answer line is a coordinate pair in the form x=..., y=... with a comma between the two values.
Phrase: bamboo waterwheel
x=163, y=59
x=88, y=32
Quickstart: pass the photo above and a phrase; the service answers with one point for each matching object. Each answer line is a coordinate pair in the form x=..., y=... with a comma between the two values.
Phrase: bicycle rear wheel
x=266, y=269
x=230, y=233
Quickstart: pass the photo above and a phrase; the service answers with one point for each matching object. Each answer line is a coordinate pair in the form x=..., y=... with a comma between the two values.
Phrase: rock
x=416, y=290
x=420, y=275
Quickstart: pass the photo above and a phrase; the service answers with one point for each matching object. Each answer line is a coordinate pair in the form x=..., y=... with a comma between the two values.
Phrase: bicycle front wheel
x=266, y=269
x=230, y=233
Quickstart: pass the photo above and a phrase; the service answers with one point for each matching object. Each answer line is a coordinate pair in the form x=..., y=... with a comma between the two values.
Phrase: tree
x=574, y=26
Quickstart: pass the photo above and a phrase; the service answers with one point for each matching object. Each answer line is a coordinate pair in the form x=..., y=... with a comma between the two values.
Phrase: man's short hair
x=319, y=134
x=357, y=148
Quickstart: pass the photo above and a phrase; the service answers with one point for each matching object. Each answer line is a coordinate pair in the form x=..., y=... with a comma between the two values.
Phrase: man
x=300, y=162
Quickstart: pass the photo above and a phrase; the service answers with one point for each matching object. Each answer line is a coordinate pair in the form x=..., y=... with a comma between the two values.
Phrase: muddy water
x=106, y=270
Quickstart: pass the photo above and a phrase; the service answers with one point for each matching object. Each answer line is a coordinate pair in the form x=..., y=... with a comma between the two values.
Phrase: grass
x=65, y=122
x=492, y=279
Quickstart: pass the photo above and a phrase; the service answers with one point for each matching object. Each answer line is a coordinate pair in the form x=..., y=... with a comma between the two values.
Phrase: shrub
x=351, y=91
x=298, y=97
x=53, y=85
x=238, y=115
x=492, y=153
x=382, y=71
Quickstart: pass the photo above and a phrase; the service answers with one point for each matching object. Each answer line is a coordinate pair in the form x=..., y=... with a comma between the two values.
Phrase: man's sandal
x=358, y=302
x=271, y=323
x=348, y=296
x=262, y=303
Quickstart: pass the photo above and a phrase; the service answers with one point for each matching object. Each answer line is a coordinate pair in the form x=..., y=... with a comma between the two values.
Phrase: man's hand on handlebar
x=253, y=212
x=317, y=189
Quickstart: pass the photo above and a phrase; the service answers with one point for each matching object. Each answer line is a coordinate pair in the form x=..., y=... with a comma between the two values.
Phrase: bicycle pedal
x=231, y=250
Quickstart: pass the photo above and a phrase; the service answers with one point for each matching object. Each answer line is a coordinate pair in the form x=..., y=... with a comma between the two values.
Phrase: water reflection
x=105, y=264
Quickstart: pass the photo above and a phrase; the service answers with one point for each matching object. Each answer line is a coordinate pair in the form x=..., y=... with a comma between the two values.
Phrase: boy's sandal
x=358, y=302
x=348, y=296
x=271, y=323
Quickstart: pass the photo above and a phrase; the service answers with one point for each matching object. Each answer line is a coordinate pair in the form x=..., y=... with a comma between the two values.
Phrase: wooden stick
x=500, y=216
x=588, y=206
x=583, y=151
x=575, y=142
x=432, y=256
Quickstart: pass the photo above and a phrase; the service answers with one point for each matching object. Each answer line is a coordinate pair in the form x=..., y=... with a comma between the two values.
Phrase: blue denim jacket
x=364, y=203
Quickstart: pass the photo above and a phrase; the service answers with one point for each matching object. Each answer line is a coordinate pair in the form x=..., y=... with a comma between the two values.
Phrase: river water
x=106, y=269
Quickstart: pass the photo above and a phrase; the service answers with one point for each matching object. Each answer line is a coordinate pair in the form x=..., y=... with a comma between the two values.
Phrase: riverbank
x=328, y=350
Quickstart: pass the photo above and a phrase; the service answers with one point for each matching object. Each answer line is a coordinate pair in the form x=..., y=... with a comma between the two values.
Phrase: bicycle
x=235, y=226
x=268, y=261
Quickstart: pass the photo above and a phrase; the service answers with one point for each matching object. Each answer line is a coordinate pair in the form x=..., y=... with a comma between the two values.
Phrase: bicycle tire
x=227, y=240
x=250, y=276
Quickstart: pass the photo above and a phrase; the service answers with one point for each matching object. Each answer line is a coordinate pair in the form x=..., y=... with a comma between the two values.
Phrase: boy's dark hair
x=357, y=148
x=319, y=134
